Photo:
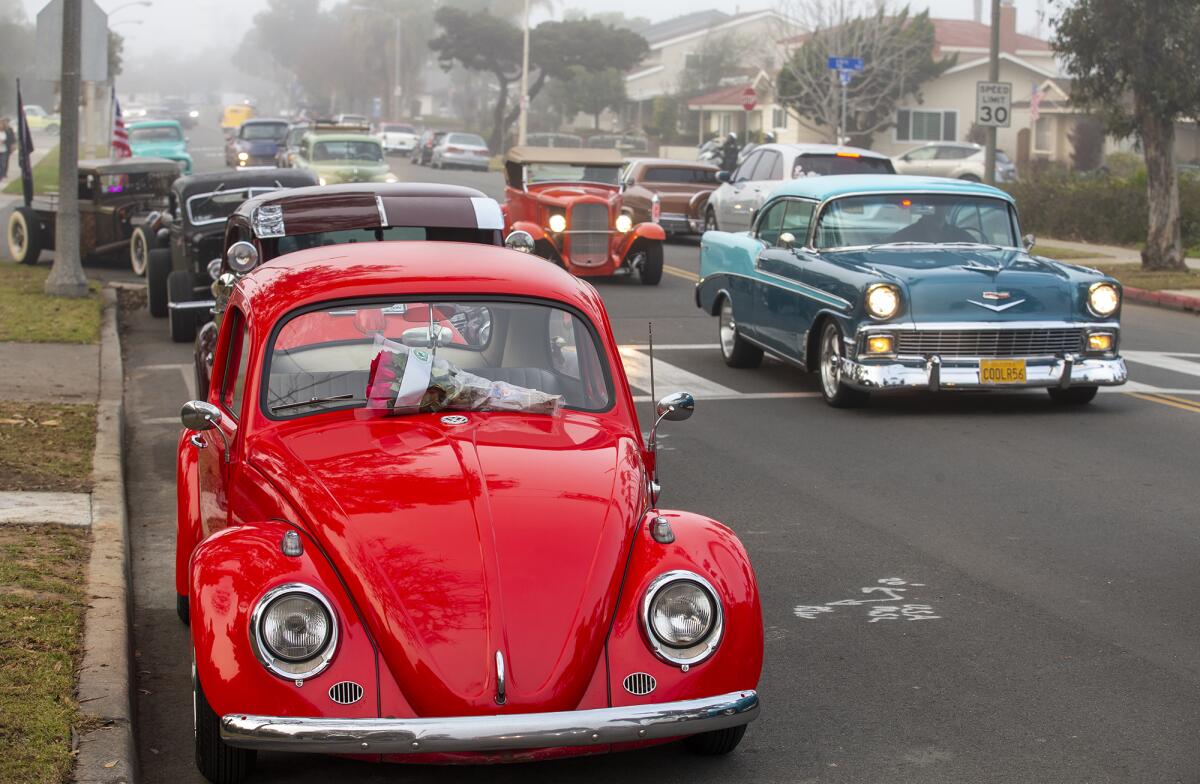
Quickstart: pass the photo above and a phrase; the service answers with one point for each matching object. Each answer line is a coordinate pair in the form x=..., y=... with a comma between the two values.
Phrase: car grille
x=588, y=249
x=991, y=342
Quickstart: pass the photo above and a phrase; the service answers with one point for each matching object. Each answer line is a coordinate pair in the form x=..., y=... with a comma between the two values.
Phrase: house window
x=691, y=60
x=926, y=126
x=779, y=117
x=1042, y=137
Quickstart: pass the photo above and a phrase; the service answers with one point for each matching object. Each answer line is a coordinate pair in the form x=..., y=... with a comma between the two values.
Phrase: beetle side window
x=770, y=223
x=237, y=360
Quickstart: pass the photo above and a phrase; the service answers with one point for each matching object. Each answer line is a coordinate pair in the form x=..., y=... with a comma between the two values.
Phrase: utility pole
x=523, y=123
x=397, y=108
x=66, y=278
x=989, y=159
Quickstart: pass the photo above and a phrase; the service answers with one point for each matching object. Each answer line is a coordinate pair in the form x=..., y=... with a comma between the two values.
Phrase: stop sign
x=749, y=98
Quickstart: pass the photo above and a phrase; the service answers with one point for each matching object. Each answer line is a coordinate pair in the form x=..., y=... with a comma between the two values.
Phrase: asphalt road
x=1048, y=556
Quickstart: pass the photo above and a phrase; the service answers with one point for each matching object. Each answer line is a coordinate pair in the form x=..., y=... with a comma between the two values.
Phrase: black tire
x=158, y=269
x=652, y=265
x=217, y=761
x=734, y=349
x=829, y=369
x=141, y=244
x=24, y=235
x=1073, y=396
x=715, y=743
x=182, y=322
x=710, y=220
x=182, y=609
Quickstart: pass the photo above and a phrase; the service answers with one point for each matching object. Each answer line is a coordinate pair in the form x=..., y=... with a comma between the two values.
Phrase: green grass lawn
x=28, y=315
x=45, y=174
x=41, y=628
x=46, y=446
x=1065, y=254
x=1134, y=275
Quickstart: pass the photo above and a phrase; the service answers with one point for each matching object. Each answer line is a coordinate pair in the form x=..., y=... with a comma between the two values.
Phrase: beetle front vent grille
x=640, y=683
x=345, y=692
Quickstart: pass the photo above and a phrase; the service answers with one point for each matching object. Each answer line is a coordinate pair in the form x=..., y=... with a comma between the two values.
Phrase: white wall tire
x=24, y=236
x=140, y=246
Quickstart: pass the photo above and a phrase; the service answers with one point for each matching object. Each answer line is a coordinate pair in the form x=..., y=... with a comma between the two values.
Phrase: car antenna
x=650, y=331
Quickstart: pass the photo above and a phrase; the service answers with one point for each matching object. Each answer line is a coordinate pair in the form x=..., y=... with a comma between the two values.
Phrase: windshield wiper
x=905, y=244
x=973, y=245
x=210, y=196
x=315, y=401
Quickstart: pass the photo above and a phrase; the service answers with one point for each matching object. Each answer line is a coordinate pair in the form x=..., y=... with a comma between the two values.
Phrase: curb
x=107, y=754
x=1163, y=299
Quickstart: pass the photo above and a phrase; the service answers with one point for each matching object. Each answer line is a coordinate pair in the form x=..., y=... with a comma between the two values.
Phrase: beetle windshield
x=347, y=151
x=882, y=219
x=158, y=133
x=570, y=172
x=330, y=357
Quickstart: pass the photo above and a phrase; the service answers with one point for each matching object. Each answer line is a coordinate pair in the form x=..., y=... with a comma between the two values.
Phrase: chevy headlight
x=243, y=156
x=623, y=223
x=294, y=631
x=391, y=178
x=883, y=301
x=683, y=617
x=1103, y=299
x=558, y=223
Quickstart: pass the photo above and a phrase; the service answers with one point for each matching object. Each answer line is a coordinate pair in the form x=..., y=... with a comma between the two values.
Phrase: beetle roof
x=581, y=155
x=399, y=269
x=835, y=185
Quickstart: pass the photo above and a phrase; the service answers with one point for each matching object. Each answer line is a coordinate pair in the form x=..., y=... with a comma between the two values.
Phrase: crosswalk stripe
x=1165, y=360
x=668, y=377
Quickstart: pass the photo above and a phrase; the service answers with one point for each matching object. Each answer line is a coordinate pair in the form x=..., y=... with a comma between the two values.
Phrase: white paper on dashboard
x=415, y=381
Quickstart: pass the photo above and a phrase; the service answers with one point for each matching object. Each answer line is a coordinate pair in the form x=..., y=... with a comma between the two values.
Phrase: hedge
x=1101, y=209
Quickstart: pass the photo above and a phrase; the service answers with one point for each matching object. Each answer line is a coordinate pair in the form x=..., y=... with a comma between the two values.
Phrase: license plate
x=1001, y=371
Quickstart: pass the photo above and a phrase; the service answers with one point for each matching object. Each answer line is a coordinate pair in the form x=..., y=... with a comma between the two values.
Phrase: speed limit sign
x=993, y=104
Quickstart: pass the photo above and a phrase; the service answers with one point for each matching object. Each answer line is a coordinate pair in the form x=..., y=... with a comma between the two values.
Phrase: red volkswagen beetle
x=417, y=522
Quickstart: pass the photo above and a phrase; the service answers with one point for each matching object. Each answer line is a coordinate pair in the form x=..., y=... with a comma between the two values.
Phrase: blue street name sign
x=845, y=63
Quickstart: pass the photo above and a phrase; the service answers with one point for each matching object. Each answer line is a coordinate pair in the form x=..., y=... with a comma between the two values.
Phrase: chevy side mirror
x=1028, y=241
x=787, y=240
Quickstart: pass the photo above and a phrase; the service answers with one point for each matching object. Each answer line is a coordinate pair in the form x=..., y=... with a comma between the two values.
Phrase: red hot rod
x=570, y=202
x=468, y=565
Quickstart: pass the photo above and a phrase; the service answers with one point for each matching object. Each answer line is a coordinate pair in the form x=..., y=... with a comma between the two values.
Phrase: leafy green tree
x=1137, y=62
x=897, y=52
x=591, y=92
x=719, y=56
x=16, y=53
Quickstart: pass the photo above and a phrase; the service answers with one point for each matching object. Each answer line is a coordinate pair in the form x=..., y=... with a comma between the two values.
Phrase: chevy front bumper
x=597, y=727
x=935, y=372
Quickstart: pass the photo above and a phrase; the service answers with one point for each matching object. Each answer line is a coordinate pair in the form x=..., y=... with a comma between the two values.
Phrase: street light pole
x=989, y=158
x=66, y=278
x=523, y=123
x=397, y=109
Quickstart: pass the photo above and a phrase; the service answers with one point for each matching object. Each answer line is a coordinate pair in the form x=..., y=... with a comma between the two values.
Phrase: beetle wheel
x=218, y=762
x=715, y=743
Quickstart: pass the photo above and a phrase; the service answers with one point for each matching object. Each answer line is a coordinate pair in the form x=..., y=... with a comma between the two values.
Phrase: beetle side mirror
x=199, y=415
x=787, y=240
x=675, y=407
x=519, y=241
x=1028, y=241
x=723, y=176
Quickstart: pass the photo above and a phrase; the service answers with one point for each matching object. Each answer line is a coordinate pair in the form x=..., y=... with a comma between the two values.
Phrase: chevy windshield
x=914, y=219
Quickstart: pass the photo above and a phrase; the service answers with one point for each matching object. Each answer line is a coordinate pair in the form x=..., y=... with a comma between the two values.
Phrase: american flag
x=1035, y=103
x=120, y=137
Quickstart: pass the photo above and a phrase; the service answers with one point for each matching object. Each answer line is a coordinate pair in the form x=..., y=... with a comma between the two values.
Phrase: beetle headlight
x=558, y=222
x=683, y=617
x=1103, y=299
x=883, y=301
x=294, y=631
x=623, y=223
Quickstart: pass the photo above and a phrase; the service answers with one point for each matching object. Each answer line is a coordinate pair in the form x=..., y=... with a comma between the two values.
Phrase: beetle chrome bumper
x=934, y=373
x=491, y=733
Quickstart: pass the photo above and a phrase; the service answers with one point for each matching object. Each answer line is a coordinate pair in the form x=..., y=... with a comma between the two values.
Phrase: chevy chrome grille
x=639, y=683
x=584, y=248
x=990, y=342
x=345, y=692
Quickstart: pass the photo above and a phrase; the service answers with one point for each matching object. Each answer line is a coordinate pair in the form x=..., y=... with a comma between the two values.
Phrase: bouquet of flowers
x=407, y=380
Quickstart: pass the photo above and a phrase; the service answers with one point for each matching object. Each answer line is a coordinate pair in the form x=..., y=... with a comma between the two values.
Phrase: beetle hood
x=509, y=533
x=970, y=285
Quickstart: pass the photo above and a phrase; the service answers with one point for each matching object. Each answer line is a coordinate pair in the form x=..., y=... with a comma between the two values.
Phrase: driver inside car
x=933, y=227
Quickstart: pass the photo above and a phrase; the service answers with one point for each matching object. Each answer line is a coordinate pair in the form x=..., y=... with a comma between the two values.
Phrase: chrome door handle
x=197, y=441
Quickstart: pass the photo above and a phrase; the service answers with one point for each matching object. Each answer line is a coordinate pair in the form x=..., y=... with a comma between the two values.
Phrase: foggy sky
x=200, y=24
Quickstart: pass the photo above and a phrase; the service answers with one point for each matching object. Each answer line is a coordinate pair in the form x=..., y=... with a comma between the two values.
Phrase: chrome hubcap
x=831, y=362
x=728, y=328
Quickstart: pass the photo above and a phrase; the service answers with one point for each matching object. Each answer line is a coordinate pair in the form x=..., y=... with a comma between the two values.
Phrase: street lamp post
x=523, y=124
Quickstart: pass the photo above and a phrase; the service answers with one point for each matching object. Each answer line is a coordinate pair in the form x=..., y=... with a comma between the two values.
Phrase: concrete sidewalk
x=1107, y=254
x=50, y=372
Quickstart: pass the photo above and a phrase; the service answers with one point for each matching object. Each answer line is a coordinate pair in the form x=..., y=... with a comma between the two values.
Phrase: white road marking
x=668, y=377
x=1165, y=360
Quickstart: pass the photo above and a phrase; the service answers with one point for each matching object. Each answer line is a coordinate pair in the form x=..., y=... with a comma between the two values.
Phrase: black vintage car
x=191, y=242
x=120, y=205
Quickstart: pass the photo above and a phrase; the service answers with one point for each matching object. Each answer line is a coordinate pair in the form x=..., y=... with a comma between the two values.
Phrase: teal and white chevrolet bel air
x=883, y=283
